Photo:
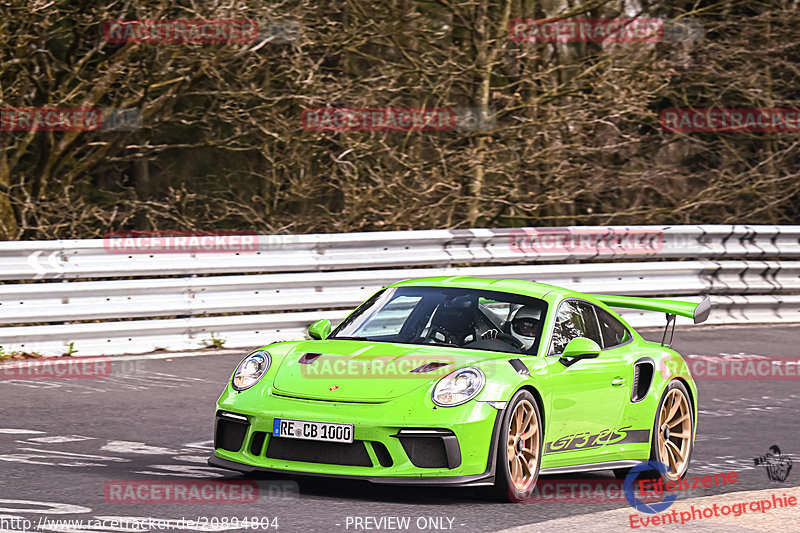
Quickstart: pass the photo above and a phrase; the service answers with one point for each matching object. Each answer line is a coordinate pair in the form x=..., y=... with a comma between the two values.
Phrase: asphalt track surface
x=62, y=441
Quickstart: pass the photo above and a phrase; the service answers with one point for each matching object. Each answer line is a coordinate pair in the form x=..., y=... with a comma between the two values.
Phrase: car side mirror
x=320, y=329
x=577, y=349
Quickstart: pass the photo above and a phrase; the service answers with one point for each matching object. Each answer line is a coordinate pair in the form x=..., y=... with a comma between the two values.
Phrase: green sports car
x=465, y=381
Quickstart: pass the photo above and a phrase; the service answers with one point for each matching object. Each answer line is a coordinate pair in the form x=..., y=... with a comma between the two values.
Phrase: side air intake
x=643, y=370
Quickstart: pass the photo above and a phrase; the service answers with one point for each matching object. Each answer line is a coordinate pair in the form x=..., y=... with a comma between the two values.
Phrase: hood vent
x=429, y=367
x=308, y=358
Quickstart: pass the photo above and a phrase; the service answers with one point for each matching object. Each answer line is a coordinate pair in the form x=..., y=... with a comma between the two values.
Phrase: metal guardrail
x=96, y=258
x=274, y=290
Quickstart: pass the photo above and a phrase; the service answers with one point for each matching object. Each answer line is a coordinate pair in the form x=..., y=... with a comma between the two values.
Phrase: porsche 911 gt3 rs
x=465, y=382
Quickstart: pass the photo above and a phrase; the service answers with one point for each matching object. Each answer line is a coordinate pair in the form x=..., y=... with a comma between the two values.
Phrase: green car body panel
x=591, y=414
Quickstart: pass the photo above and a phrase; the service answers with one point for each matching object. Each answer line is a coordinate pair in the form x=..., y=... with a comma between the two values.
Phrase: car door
x=587, y=397
x=618, y=343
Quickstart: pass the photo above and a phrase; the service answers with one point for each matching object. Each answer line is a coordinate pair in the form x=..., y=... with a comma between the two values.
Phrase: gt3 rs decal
x=585, y=441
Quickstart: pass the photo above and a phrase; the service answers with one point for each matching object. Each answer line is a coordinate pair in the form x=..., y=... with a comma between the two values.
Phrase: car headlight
x=458, y=387
x=251, y=369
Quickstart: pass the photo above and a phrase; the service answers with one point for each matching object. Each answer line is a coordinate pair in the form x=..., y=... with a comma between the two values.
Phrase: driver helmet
x=525, y=325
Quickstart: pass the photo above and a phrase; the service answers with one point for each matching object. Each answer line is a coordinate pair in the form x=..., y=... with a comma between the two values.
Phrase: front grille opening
x=308, y=451
x=257, y=443
x=229, y=435
x=383, y=455
x=425, y=452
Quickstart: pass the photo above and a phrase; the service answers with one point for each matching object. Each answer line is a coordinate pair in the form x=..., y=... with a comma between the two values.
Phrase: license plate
x=307, y=430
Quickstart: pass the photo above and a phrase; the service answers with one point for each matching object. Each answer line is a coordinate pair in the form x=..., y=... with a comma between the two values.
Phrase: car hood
x=350, y=370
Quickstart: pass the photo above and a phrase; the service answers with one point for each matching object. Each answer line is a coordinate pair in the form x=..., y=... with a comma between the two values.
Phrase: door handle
x=616, y=382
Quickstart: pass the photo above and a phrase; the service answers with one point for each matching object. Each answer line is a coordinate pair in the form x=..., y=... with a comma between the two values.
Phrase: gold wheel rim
x=675, y=433
x=523, y=445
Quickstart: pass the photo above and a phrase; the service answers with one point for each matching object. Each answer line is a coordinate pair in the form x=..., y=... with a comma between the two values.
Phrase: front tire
x=519, y=449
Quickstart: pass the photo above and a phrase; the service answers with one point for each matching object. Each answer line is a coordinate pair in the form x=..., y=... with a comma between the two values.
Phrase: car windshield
x=445, y=316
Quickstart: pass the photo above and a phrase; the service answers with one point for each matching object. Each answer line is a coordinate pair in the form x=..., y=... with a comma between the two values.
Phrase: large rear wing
x=697, y=312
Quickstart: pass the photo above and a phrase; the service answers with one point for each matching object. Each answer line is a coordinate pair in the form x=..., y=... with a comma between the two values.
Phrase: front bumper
x=483, y=479
x=398, y=442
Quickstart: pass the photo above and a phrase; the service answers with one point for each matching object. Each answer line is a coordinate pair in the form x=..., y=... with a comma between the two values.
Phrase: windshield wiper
x=350, y=338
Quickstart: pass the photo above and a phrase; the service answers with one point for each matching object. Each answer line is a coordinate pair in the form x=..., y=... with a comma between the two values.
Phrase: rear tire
x=671, y=443
x=519, y=449
x=673, y=431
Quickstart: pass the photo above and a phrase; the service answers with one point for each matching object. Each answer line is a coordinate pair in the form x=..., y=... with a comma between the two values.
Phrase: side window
x=614, y=333
x=574, y=319
x=590, y=318
x=500, y=311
